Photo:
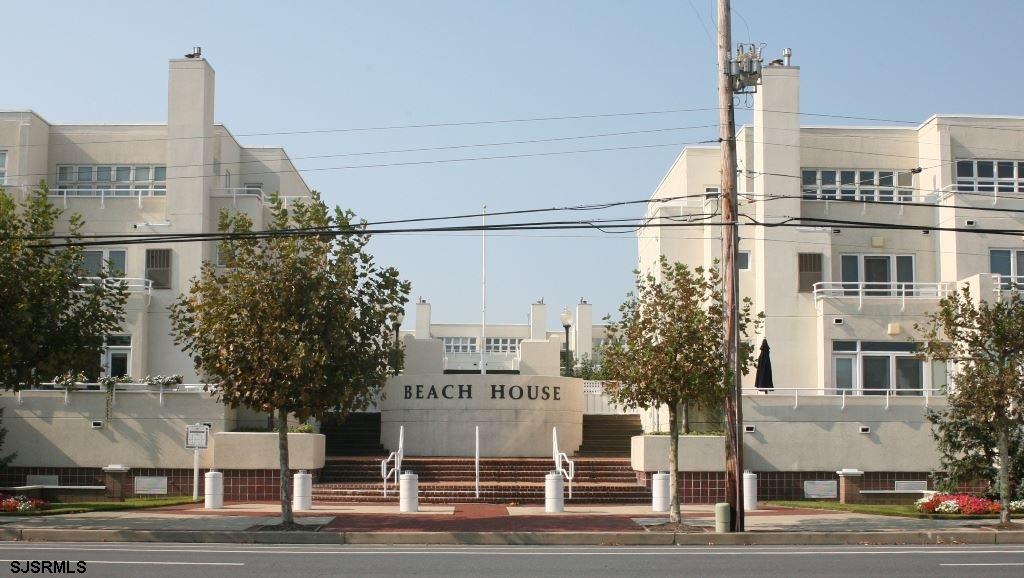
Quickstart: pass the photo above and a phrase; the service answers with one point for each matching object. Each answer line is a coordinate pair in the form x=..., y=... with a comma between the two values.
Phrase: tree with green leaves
x=588, y=368
x=4, y=460
x=666, y=348
x=52, y=321
x=984, y=342
x=298, y=323
x=969, y=454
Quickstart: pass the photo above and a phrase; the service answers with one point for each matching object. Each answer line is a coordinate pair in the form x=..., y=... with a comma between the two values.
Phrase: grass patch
x=903, y=510
x=55, y=508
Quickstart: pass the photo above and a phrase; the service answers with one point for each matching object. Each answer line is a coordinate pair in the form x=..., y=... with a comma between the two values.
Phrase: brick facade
x=239, y=485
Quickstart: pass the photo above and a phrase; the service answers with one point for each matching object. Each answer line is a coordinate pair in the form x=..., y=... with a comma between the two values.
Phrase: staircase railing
x=395, y=456
x=560, y=458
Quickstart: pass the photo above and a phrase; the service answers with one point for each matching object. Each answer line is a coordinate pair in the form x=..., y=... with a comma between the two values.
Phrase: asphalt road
x=177, y=560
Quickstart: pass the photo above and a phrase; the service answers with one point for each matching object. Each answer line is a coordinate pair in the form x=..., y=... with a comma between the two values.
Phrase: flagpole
x=483, y=291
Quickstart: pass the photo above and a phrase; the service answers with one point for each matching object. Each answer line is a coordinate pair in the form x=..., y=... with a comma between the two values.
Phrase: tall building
x=841, y=298
x=133, y=178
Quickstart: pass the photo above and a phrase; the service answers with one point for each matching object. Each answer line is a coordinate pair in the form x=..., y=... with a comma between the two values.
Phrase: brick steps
x=609, y=435
x=502, y=480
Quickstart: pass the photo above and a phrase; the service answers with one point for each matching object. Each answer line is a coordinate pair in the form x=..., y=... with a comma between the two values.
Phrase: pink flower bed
x=20, y=504
x=957, y=504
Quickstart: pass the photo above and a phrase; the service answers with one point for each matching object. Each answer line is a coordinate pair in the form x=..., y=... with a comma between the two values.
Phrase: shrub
x=20, y=504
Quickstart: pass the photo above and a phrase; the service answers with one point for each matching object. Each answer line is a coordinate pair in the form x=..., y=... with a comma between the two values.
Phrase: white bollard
x=214, y=491
x=302, y=492
x=659, y=491
x=554, y=493
x=749, y=491
x=408, y=492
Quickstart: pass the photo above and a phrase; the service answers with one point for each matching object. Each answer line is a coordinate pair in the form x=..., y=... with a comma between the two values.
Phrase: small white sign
x=153, y=485
x=821, y=489
x=197, y=437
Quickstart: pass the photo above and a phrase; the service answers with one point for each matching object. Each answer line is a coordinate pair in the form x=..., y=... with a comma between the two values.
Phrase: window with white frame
x=877, y=367
x=460, y=345
x=117, y=355
x=110, y=261
x=1008, y=265
x=111, y=180
x=3, y=167
x=989, y=176
x=885, y=185
x=877, y=275
x=502, y=344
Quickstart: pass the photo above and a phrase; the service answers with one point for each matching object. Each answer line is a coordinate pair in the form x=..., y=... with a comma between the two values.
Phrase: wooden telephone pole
x=730, y=243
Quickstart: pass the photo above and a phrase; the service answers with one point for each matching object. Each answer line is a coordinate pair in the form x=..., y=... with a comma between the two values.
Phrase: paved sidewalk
x=477, y=518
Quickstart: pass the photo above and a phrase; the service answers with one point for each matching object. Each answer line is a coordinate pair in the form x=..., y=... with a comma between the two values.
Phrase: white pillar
x=408, y=492
x=214, y=490
x=660, y=492
x=554, y=493
x=749, y=491
x=302, y=490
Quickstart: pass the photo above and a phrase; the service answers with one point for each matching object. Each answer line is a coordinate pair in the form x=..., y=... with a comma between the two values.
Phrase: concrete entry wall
x=515, y=414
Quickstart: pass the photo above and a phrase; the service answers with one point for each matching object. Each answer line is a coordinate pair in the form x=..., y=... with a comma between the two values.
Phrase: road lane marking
x=986, y=564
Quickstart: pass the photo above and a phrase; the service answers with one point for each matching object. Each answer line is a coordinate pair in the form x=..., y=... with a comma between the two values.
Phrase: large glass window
x=117, y=355
x=989, y=176
x=460, y=345
x=1007, y=265
x=502, y=344
x=878, y=275
x=109, y=180
x=96, y=261
x=849, y=185
x=3, y=167
x=878, y=367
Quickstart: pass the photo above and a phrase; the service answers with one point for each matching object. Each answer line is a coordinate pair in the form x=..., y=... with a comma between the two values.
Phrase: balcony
x=507, y=361
x=253, y=194
x=878, y=291
x=1007, y=284
x=134, y=285
x=114, y=194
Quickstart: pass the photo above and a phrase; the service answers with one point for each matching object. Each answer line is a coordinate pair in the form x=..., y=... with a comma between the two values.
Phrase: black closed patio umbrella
x=763, y=380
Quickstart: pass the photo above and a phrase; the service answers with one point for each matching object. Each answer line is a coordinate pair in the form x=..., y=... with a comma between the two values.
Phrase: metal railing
x=236, y=193
x=870, y=290
x=1007, y=283
x=495, y=361
x=395, y=456
x=93, y=388
x=926, y=393
x=137, y=192
x=560, y=458
x=134, y=284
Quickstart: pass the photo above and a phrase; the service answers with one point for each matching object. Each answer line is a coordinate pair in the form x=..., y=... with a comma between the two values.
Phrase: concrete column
x=539, y=321
x=422, y=319
x=850, y=486
x=584, y=331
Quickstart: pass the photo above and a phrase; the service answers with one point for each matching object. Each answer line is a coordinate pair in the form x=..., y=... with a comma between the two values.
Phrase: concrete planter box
x=258, y=451
x=697, y=453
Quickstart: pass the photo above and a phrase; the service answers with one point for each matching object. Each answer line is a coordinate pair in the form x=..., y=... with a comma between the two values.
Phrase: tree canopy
x=295, y=323
x=984, y=341
x=51, y=320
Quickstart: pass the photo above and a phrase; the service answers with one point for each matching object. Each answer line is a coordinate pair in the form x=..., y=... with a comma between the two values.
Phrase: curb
x=517, y=538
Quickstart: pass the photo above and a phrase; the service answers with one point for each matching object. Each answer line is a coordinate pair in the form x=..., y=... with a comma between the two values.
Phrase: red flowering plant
x=957, y=504
x=20, y=504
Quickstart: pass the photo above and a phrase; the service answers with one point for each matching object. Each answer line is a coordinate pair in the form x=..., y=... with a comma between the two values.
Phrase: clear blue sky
x=312, y=65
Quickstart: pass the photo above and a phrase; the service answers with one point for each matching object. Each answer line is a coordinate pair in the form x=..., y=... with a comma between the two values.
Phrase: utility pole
x=730, y=243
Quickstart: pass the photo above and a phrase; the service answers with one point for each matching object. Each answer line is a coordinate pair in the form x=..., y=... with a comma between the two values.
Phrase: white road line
x=986, y=564
x=148, y=562
x=610, y=551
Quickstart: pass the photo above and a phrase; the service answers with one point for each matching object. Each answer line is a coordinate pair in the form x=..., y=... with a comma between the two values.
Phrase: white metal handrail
x=395, y=456
x=134, y=284
x=136, y=191
x=560, y=458
x=926, y=393
x=882, y=290
x=236, y=193
x=1007, y=283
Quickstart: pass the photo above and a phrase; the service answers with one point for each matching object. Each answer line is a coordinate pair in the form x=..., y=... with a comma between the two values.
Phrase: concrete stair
x=502, y=480
x=609, y=435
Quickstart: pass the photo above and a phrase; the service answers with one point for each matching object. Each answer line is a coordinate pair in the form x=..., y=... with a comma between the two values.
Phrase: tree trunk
x=282, y=446
x=673, y=464
x=685, y=418
x=1004, y=476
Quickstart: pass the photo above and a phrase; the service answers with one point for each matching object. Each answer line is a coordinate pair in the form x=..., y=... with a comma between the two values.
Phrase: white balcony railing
x=237, y=194
x=1007, y=283
x=133, y=284
x=136, y=192
x=508, y=361
x=900, y=291
x=925, y=393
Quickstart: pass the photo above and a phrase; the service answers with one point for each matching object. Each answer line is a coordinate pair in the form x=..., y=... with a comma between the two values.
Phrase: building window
x=711, y=193
x=502, y=344
x=110, y=180
x=743, y=260
x=877, y=275
x=877, y=367
x=110, y=261
x=989, y=176
x=810, y=271
x=3, y=167
x=158, y=267
x=460, y=345
x=1007, y=267
x=117, y=355
x=885, y=185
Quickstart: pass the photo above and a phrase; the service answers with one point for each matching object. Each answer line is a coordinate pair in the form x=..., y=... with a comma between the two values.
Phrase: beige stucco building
x=841, y=299
x=167, y=177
